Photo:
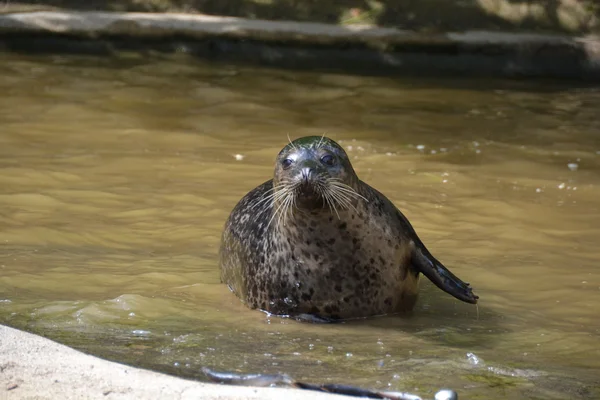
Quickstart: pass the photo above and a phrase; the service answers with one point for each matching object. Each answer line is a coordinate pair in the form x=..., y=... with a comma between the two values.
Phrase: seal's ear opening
x=441, y=277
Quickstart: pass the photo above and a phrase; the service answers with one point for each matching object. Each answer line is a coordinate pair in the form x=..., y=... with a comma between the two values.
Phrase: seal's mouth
x=309, y=196
x=308, y=185
x=307, y=189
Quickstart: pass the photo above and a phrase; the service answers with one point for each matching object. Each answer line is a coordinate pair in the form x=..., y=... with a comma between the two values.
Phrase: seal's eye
x=287, y=163
x=328, y=159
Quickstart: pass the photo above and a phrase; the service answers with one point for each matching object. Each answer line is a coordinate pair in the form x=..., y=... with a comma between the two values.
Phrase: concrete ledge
x=352, y=48
x=149, y=24
x=32, y=367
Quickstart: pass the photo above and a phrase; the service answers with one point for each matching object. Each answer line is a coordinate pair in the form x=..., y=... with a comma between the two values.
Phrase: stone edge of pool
x=33, y=367
x=304, y=45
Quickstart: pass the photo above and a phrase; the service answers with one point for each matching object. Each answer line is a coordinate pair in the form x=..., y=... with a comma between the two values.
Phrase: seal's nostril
x=306, y=174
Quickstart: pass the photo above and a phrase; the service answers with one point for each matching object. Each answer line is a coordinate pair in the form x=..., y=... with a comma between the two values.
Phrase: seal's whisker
x=343, y=194
x=291, y=205
x=349, y=196
x=331, y=203
x=268, y=195
x=265, y=199
x=279, y=200
x=277, y=196
x=335, y=209
x=275, y=214
x=323, y=191
x=340, y=182
x=287, y=207
x=343, y=200
x=346, y=199
x=320, y=141
x=294, y=205
x=281, y=205
x=292, y=143
x=327, y=200
x=268, y=192
x=346, y=188
x=284, y=199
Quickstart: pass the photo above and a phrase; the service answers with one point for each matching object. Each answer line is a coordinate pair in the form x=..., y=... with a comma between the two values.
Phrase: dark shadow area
x=578, y=16
x=504, y=15
x=429, y=60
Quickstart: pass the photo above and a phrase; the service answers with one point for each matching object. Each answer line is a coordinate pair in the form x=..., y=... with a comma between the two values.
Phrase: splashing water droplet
x=446, y=394
x=473, y=359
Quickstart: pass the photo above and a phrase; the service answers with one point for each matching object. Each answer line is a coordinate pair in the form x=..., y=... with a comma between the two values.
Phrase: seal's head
x=314, y=172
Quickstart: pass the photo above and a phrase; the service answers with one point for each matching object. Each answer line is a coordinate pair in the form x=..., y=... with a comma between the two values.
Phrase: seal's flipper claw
x=425, y=263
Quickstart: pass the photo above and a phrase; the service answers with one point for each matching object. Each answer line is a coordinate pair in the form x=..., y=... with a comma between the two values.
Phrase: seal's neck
x=313, y=218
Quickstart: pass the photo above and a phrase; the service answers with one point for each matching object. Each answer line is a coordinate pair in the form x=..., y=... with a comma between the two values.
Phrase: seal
x=317, y=241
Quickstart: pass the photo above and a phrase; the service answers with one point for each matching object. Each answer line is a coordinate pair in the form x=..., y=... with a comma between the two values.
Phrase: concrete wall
x=361, y=49
x=549, y=16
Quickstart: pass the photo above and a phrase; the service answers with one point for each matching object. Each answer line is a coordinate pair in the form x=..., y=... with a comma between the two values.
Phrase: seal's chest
x=329, y=243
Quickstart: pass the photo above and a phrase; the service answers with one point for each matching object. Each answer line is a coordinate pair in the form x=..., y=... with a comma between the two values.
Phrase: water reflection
x=117, y=176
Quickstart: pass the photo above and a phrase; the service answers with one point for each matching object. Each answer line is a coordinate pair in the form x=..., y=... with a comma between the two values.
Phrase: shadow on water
x=572, y=62
x=224, y=71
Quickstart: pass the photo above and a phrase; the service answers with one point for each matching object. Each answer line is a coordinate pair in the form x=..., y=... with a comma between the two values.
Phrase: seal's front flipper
x=441, y=277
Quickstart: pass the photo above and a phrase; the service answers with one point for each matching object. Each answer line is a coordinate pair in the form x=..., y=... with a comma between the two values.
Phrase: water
x=117, y=176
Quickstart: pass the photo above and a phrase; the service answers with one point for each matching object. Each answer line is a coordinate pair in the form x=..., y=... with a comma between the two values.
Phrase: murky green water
x=116, y=178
